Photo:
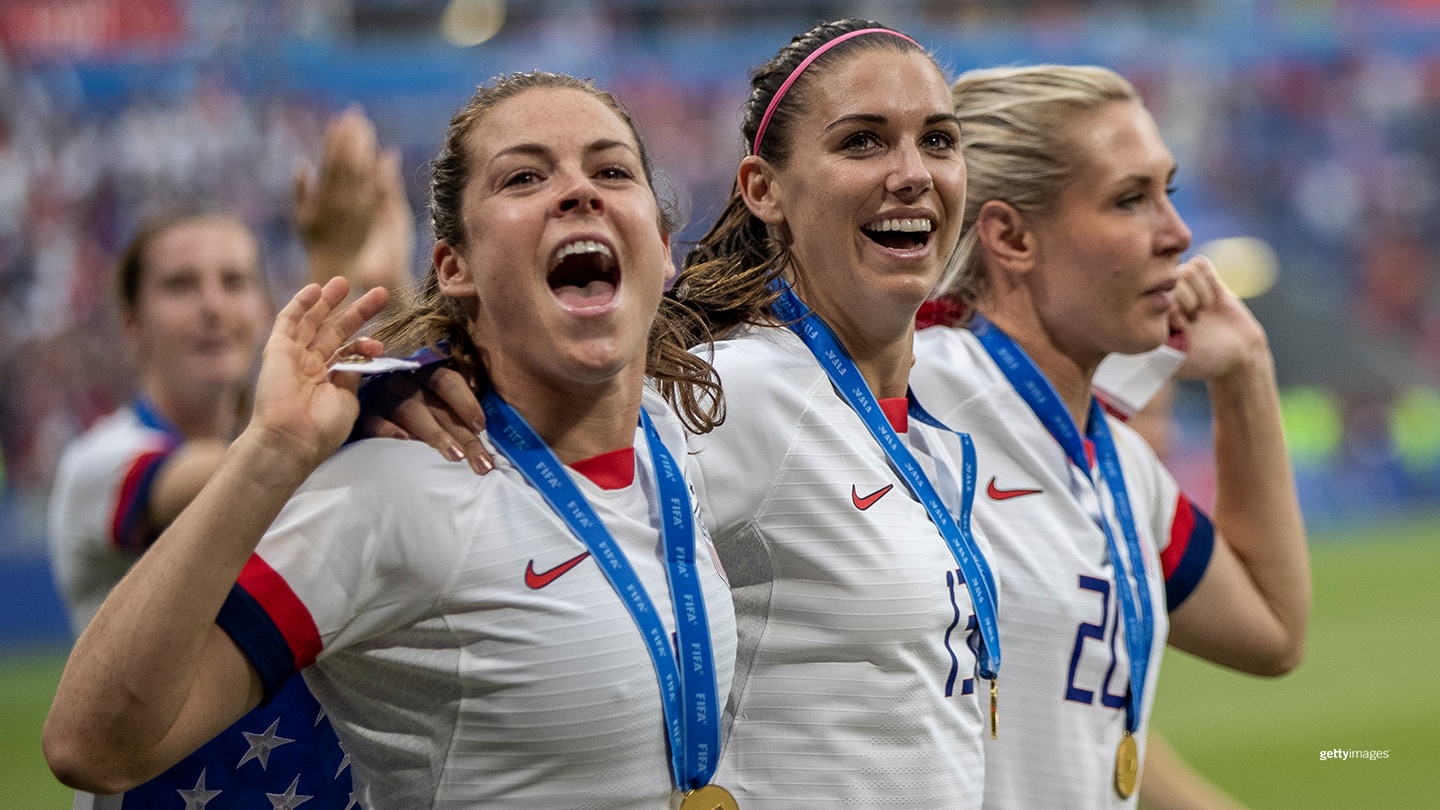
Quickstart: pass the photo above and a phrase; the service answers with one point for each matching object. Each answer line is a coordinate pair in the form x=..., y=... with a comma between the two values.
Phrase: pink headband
x=800, y=68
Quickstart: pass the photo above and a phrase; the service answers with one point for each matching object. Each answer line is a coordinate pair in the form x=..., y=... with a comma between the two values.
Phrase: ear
x=759, y=189
x=451, y=271
x=1005, y=236
x=669, y=257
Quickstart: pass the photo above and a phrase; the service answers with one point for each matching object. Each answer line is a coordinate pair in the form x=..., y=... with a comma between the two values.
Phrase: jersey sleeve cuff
x=270, y=625
x=129, y=528
x=1184, y=560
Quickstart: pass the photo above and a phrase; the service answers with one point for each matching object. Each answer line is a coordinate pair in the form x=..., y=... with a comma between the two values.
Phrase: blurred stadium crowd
x=1313, y=125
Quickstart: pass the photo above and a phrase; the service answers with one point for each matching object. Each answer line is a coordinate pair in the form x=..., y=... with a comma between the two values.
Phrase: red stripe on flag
x=284, y=608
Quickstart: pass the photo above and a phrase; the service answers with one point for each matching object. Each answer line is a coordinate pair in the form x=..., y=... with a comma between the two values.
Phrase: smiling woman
x=866, y=611
x=866, y=608
x=473, y=641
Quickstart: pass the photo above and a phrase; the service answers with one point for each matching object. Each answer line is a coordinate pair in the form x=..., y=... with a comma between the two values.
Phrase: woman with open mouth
x=502, y=640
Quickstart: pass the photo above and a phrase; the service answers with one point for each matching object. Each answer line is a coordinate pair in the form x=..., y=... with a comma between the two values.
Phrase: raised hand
x=335, y=209
x=1221, y=335
x=387, y=258
x=300, y=405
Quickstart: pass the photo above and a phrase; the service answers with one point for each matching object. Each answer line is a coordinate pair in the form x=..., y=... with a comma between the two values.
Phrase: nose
x=1174, y=235
x=910, y=176
x=213, y=298
x=581, y=196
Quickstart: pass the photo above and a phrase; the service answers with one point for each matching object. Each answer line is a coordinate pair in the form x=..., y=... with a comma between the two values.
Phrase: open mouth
x=900, y=233
x=584, y=274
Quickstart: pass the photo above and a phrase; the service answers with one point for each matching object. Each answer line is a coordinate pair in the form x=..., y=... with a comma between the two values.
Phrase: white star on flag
x=287, y=800
x=262, y=744
x=344, y=763
x=197, y=797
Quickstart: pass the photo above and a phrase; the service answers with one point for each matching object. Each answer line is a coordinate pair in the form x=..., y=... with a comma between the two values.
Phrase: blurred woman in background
x=195, y=308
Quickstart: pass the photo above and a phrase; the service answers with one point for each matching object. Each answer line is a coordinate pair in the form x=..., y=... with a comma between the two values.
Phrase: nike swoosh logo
x=998, y=494
x=536, y=581
x=863, y=503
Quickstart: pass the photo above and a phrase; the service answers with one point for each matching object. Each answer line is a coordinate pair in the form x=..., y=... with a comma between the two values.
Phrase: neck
x=208, y=415
x=578, y=422
x=1069, y=376
x=880, y=342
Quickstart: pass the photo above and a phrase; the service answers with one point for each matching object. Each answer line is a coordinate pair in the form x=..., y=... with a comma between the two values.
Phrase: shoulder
x=108, y=448
x=952, y=353
x=759, y=348
x=1149, y=481
x=373, y=473
x=952, y=368
x=770, y=380
x=763, y=366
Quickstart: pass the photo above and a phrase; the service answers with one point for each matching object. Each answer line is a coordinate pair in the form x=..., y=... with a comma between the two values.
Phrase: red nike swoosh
x=869, y=500
x=536, y=581
x=998, y=494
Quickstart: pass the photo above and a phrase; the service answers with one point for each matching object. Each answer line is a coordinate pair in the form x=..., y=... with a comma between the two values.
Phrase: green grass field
x=1368, y=682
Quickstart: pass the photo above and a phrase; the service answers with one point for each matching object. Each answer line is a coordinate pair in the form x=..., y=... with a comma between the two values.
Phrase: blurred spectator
x=1315, y=127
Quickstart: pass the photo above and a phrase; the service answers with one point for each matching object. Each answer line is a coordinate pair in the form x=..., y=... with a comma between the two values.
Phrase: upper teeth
x=583, y=246
x=912, y=225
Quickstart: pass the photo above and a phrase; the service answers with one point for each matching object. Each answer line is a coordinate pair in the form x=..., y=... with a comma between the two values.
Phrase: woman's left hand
x=1221, y=335
x=300, y=404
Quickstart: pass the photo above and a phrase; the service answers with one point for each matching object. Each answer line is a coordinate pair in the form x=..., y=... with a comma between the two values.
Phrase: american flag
x=281, y=756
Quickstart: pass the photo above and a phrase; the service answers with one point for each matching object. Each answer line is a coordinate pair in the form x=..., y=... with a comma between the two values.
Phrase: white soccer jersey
x=1065, y=673
x=855, y=682
x=98, y=503
x=98, y=528
x=467, y=647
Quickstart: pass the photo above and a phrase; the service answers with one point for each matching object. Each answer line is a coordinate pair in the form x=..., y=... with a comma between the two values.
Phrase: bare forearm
x=151, y=677
x=1257, y=511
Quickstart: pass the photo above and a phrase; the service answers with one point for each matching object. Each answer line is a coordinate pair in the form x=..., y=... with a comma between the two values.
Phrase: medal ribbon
x=846, y=378
x=688, y=693
x=150, y=416
x=1135, y=608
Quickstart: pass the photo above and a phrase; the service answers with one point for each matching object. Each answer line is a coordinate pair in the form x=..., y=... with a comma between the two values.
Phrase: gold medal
x=1127, y=766
x=710, y=797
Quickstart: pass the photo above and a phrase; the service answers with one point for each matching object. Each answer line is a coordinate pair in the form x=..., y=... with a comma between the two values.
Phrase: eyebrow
x=1146, y=179
x=875, y=118
x=540, y=150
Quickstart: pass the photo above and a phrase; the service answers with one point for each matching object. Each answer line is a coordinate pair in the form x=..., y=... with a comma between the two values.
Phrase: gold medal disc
x=1127, y=766
x=710, y=797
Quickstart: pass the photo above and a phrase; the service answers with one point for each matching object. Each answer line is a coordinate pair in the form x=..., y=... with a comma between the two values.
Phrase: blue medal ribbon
x=689, y=695
x=846, y=378
x=149, y=415
x=1135, y=608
